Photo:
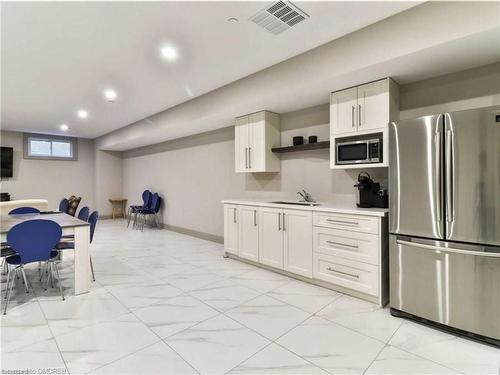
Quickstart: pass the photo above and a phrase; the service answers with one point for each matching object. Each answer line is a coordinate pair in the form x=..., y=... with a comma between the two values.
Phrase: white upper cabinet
x=255, y=135
x=373, y=105
x=344, y=111
x=363, y=109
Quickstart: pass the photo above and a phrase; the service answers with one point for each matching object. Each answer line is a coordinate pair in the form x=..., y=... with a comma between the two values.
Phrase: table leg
x=82, y=260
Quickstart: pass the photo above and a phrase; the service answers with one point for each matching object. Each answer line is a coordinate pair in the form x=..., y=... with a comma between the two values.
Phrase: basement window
x=50, y=147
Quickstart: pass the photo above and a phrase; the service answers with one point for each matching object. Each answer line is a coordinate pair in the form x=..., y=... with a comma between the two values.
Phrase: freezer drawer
x=456, y=286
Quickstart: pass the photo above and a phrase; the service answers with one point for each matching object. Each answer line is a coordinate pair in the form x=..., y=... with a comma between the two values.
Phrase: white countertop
x=323, y=207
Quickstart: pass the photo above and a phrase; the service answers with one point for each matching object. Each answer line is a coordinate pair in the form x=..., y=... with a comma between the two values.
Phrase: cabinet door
x=257, y=142
x=241, y=135
x=343, y=111
x=297, y=230
x=271, y=237
x=248, y=233
x=373, y=105
x=231, y=229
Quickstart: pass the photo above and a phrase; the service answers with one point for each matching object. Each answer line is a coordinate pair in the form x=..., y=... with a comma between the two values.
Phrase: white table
x=70, y=225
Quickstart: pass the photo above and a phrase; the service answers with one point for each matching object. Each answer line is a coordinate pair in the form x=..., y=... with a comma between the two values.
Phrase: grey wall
x=195, y=173
x=50, y=179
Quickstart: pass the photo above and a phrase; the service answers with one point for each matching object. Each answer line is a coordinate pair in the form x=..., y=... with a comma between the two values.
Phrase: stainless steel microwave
x=361, y=149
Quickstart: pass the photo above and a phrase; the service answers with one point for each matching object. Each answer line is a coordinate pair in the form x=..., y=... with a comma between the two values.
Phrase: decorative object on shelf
x=304, y=147
x=369, y=193
x=313, y=138
x=298, y=140
x=118, y=207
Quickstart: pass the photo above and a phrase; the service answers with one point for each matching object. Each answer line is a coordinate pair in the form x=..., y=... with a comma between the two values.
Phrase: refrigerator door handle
x=438, y=177
x=448, y=249
x=450, y=156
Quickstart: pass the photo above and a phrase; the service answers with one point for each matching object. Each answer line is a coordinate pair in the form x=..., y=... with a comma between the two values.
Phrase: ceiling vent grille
x=279, y=16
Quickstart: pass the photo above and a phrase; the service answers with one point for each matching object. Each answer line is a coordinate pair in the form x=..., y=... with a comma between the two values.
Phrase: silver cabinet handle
x=449, y=175
x=359, y=115
x=254, y=218
x=342, y=222
x=234, y=215
x=246, y=157
x=284, y=222
x=342, y=244
x=448, y=249
x=249, y=157
x=279, y=220
x=343, y=273
x=352, y=115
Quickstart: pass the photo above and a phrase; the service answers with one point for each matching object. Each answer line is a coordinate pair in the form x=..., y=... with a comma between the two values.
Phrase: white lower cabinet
x=343, y=251
x=231, y=229
x=248, y=233
x=271, y=237
x=297, y=230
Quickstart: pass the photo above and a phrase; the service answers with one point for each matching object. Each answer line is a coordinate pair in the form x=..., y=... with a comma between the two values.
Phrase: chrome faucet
x=306, y=197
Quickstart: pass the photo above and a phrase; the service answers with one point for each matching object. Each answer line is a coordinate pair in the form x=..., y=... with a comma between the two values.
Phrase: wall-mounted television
x=6, y=161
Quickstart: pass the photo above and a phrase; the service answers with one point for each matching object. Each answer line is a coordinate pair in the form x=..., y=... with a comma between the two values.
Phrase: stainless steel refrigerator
x=444, y=221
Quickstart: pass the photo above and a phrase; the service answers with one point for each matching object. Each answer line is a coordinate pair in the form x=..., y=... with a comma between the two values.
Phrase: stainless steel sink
x=297, y=203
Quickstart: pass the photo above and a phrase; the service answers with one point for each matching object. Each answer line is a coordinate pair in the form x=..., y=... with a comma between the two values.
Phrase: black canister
x=298, y=140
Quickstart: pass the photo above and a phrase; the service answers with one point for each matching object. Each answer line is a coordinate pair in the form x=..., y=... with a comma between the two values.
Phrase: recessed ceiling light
x=232, y=20
x=110, y=95
x=64, y=127
x=169, y=53
x=82, y=113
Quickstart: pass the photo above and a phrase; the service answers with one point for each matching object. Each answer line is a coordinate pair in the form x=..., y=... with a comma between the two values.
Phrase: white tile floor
x=166, y=303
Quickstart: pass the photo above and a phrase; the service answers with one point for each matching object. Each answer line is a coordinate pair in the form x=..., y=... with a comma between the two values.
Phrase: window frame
x=49, y=138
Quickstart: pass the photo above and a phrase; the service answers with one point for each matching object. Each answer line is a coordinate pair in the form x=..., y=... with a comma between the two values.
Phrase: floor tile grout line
x=149, y=328
x=53, y=336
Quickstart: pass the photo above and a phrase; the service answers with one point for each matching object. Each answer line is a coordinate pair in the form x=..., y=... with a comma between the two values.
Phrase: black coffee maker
x=369, y=193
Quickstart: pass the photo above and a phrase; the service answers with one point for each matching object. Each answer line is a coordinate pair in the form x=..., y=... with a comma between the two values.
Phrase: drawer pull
x=342, y=222
x=342, y=244
x=343, y=273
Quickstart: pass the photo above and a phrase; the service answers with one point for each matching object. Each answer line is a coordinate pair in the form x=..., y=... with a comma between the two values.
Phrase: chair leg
x=58, y=280
x=8, y=283
x=129, y=214
x=9, y=292
x=24, y=278
x=92, y=269
x=49, y=274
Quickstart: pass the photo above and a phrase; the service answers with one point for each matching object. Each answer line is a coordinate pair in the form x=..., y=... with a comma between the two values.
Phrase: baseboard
x=195, y=233
x=104, y=217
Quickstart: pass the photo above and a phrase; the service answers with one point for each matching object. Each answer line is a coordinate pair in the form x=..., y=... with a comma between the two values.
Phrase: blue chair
x=146, y=199
x=71, y=245
x=151, y=211
x=24, y=211
x=34, y=241
x=82, y=215
x=64, y=205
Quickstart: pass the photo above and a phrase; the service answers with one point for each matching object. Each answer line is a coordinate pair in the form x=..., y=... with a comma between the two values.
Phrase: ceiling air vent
x=279, y=16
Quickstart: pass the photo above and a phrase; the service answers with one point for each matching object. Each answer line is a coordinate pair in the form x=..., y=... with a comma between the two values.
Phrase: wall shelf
x=304, y=147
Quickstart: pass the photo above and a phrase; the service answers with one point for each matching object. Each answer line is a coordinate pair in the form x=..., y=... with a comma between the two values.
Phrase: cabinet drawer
x=356, y=246
x=358, y=223
x=346, y=273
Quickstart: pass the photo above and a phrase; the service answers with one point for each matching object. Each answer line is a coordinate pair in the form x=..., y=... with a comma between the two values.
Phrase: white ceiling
x=58, y=57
